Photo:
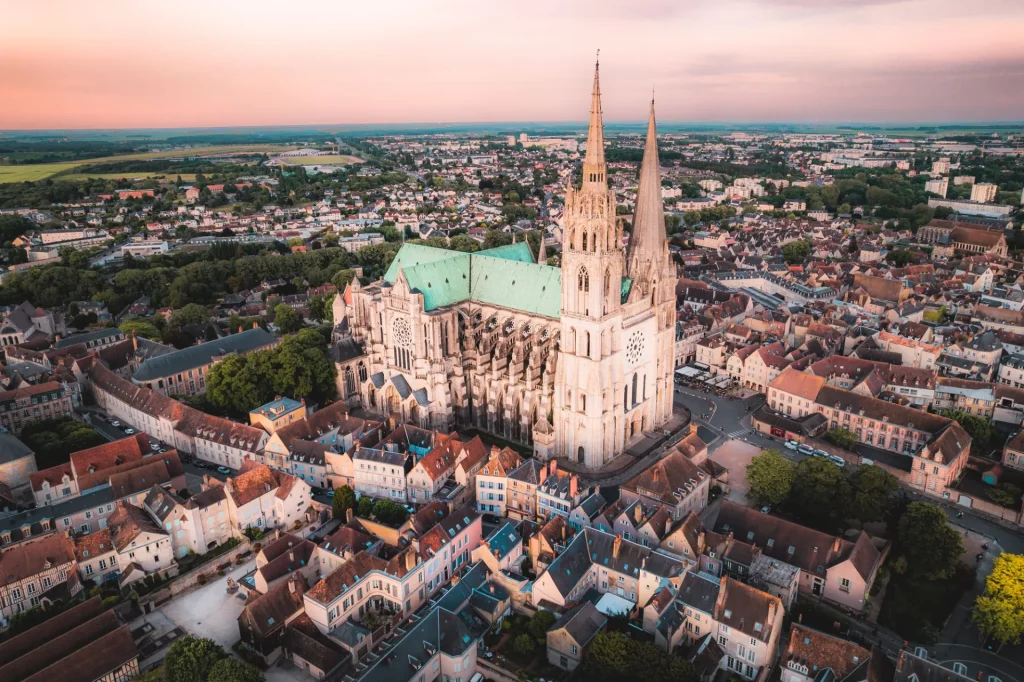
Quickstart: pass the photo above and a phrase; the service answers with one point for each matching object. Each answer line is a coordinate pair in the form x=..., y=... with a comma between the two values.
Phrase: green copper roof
x=505, y=276
x=519, y=251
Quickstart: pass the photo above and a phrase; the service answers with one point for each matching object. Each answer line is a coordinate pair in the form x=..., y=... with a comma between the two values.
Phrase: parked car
x=805, y=449
x=838, y=461
x=129, y=432
x=330, y=493
x=199, y=464
x=223, y=470
x=114, y=422
x=155, y=447
x=792, y=444
x=821, y=453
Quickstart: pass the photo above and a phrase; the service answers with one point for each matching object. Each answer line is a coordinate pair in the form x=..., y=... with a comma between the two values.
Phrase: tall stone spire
x=594, y=169
x=542, y=252
x=647, y=240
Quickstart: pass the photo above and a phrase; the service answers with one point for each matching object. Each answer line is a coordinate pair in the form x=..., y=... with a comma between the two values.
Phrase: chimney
x=597, y=490
x=542, y=476
x=771, y=613
x=206, y=481
x=563, y=533
x=693, y=428
x=638, y=513
x=643, y=563
x=835, y=546
x=239, y=329
x=700, y=542
x=291, y=586
x=291, y=557
x=357, y=444
x=491, y=585
x=135, y=341
x=227, y=485
x=616, y=544
x=574, y=486
x=496, y=554
x=410, y=560
x=348, y=515
x=255, y=326
x=554, y=467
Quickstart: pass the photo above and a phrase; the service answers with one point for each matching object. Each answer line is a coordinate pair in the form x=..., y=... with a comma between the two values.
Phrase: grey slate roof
x=202, y=354
x=582, y=622
x=99, y=335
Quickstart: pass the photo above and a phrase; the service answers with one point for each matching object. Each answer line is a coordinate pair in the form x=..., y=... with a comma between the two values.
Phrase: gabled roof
x=582, y=622
x=506, y=277
x=203, y=354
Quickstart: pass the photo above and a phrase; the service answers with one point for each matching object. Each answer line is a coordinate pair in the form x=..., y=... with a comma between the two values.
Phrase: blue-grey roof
x=504, y=539
x=98, y=335
x=203, y=354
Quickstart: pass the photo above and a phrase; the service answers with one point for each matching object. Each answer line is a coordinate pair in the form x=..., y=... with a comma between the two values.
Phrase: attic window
x=807, y=640
x=270, y=621
x=728, y=613
x=750, y=535
x=757, y=627
x=771, y=542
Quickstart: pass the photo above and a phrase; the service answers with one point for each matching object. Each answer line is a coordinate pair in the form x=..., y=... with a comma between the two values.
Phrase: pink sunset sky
x=110, y=64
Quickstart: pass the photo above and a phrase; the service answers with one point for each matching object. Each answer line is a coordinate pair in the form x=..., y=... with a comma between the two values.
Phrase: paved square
x=210, y=611
x=735, y=455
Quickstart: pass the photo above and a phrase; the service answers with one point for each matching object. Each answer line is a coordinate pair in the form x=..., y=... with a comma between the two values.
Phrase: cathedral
x=575, y=361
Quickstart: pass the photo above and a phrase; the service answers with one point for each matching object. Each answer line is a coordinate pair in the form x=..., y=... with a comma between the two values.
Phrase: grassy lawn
x=917, y=609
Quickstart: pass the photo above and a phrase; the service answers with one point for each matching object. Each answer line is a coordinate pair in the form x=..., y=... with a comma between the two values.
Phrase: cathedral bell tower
x=592, y=268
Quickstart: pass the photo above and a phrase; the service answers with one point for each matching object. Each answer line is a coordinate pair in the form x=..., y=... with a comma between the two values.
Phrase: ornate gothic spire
x=594, y=169
x=648, y=238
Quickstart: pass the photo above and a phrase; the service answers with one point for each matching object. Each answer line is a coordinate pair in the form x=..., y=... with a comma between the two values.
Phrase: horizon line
x=569, y=123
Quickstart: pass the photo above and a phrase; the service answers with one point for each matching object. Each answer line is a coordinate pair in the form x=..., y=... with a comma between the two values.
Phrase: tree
x=844, y=438
x=389, y=512
x=190, y=659
x=463, y=242
x=342, y=278
x=614, y=656
x=495, y=238
x=193, y=313
x=344, y=499
x=141, y=328
x=234, y=670
x=286, y=319
x=365, y=507
x=523, y=645
x=999, y=613
x=871, y=489
x=820, y=491
x=977, y=427
x=929, y=548
x=540, y=623
x=796, y=252
x=770, y=476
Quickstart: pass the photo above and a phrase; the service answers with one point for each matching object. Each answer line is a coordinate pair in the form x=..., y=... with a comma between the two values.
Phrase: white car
x=838, y=461
x=115, y=423
x=792, y=445
x=129, y=432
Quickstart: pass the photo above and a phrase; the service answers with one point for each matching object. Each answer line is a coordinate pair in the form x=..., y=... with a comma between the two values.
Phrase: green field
x=31, y=172
x=326, y=160
x=40, y=171
x=73, y=177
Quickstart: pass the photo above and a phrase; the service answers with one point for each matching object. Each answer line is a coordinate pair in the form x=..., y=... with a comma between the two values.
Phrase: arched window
x=634, y=389
x=583, y=402
x=362, y=372
x=583, y=280
x=579, y=455
x=586, y=343
x=350, y=382
x=645, y=387
x=584, y=241
x=625, y=397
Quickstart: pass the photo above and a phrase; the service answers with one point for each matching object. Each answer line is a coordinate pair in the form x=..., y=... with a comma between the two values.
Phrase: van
x=838, y=461
x=805, y=450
